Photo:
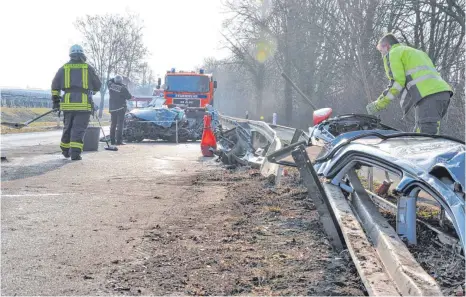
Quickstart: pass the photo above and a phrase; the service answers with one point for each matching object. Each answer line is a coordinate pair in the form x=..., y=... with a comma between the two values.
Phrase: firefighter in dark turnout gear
x=79, y=81
x=117, y=107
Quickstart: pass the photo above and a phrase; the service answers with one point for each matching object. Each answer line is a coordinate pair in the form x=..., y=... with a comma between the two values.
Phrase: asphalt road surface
x=64, y=222
x=10, y=142
x=155, y=218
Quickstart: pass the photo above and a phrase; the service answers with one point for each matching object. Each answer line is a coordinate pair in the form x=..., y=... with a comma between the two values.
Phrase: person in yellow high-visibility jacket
x=413, y=76
x=79, y=81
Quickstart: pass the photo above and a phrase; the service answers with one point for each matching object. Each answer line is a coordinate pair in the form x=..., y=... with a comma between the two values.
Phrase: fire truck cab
x=189, y=89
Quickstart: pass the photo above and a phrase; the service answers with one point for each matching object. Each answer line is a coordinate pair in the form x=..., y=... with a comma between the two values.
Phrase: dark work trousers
x=118, y=120
x=430, y=111
x=75, y=125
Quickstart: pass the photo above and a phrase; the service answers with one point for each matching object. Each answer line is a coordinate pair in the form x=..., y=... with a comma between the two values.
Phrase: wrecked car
x=433, y=164
x=157, y=122
x=326, y=129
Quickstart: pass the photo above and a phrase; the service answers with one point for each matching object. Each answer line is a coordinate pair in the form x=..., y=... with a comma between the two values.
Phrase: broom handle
x=42, y=115
x=103, y=132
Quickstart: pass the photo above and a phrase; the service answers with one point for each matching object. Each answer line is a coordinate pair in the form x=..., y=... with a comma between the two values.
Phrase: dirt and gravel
x=254, y=239
x=157, y=219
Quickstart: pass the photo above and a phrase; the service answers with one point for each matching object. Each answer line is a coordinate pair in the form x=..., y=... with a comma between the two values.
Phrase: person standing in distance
x=79, y=81
x=117, y=107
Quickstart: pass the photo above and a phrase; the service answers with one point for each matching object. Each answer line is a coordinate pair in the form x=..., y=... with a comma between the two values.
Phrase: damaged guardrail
x=254, y=141
x=328, y=159
x=370, y=240
x=263, y=140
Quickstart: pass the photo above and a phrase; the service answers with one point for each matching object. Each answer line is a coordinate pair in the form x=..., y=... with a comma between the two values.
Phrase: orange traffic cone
x=208, y=142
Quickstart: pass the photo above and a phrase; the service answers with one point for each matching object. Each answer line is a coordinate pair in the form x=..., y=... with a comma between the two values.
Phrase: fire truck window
x=188, y=83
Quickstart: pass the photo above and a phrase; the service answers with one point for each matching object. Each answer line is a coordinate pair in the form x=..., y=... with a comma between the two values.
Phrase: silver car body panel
x=412, y=158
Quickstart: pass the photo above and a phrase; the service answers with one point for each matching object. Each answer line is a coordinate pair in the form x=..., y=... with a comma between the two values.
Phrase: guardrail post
x=297, y=134
x=278, y=178
x=274, y=118
x=318, y=196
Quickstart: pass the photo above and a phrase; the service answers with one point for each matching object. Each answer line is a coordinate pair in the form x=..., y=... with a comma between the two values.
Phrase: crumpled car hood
x=160, y=116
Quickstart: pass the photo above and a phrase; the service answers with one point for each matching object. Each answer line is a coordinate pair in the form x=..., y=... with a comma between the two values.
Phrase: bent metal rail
x=382, y=259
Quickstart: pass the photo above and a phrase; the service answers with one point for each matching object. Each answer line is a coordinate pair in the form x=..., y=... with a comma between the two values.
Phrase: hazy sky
x=35, y=35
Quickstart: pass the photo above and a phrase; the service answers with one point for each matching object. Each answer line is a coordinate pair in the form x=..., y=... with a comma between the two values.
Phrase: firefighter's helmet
x=76, y=49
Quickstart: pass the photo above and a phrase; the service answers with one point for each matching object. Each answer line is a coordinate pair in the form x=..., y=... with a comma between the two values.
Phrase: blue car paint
x=164, y=117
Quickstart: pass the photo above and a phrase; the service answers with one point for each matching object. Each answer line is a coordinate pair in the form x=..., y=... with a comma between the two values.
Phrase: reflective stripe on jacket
x=77, y=80
x=410, y=71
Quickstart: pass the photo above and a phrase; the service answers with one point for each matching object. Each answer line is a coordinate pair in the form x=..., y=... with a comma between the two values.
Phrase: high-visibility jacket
x=77, y=80
x=410, y=71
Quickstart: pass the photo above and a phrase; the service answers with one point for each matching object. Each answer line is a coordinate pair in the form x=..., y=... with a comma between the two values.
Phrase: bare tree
x=134, y=51
x=327, y=47
x=113, y=43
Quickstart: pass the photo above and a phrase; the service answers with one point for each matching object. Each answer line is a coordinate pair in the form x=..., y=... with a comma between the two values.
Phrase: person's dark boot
x=76, y=157
x=65, y=154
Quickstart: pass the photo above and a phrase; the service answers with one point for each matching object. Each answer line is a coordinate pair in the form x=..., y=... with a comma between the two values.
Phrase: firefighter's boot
x=66, y=153
x=76, y=157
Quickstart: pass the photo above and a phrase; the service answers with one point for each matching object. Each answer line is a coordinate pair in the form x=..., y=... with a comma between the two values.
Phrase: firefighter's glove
x=373, y=108
x=56, y=102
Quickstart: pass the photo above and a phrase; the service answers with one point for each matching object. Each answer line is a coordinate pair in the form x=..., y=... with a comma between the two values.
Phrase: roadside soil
x=238, y=235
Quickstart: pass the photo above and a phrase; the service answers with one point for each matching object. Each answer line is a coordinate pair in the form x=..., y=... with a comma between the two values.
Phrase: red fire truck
x=192, y=91
x=189, y=89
